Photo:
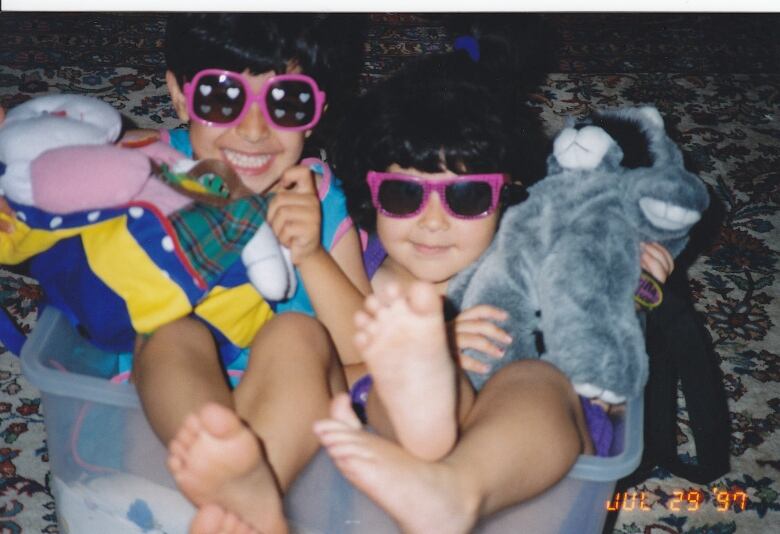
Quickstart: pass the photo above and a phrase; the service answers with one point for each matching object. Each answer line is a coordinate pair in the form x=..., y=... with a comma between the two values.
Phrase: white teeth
x=246, y=161
x=667, y=216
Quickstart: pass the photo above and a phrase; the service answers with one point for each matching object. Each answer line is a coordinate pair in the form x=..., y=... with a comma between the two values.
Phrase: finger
x=286, y=208
x=479, y=343
x=657, y=261
x=470, y=364
x=484, y=311
x=660, y=253
x=484, y=328
x=299, y=179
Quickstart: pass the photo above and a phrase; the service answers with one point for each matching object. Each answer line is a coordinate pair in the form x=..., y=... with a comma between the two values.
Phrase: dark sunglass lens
x=399, y=197
x=291, y=103
x=218, y=99
x=469, y=198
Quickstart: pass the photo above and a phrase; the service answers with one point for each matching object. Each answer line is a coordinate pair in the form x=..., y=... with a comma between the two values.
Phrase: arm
x=336, y=282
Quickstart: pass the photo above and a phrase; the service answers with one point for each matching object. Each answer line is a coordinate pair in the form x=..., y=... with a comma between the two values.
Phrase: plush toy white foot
x=268, y=265
x=581, y=149
x=48, y=122
x=589, y=391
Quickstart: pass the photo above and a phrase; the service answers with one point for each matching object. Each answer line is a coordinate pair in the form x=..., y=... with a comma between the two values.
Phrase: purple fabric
x=373, y=256
x=360, y=389
x=599, y=426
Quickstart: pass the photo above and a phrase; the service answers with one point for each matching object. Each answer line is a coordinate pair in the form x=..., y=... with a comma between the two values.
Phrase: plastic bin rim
x=50, y=381
x=89, y=388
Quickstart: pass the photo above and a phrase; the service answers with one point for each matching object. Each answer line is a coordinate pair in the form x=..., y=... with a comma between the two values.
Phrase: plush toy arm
x=269, y=266
x=591, y=331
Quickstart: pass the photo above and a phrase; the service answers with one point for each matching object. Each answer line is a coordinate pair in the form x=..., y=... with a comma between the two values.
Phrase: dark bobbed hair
x=327, y=47
x=439, y=112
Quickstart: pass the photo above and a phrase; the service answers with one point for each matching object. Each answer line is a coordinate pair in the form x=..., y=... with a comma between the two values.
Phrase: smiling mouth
x=247, y=164
x=430, y=250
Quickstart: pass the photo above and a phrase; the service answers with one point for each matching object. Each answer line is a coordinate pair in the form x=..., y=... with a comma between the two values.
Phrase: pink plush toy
x=59, y=157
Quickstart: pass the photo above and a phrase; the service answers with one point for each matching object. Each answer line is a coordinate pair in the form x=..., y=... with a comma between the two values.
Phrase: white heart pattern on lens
x=300, y=115
x=277, y=93
x=279, y=113
x=226, y=111
x=233, y=92
x=205, y=109
x=304, y=97
x=205, y=90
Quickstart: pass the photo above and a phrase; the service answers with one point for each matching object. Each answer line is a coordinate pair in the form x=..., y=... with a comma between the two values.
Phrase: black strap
x=680, y=350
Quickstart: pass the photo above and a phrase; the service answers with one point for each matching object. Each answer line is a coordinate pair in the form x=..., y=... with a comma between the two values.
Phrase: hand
x=474, y=329
x=656, y=260
x=295, y=214
x=6, y=223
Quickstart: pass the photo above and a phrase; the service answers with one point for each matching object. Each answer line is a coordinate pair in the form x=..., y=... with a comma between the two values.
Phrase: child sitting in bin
x=424, y=165
x=424, y=157
x=292, y=371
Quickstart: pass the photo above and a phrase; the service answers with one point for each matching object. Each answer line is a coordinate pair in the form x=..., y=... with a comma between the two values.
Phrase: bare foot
x=422, y=497
x=403, y=341
x=212, y=519
x=216, y=460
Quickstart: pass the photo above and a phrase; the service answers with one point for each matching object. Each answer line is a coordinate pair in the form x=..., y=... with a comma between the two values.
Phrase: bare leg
x=181, y=353
x=216, y=460
x=229, y=469
x=521, y=436
x=293, y=374
x=404, y=344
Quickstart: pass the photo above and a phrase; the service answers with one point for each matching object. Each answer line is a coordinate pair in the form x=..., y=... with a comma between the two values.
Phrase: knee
x=538, y=371
x=297, y=325
x=298, y=335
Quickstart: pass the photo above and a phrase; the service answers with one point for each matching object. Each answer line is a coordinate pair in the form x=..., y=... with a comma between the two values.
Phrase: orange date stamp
x=682, y=501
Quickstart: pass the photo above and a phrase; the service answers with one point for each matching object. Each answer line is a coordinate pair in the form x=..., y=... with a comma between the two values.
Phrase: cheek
x=204, y=141
x=477, y=235
x=292, y=143
x=386, y=231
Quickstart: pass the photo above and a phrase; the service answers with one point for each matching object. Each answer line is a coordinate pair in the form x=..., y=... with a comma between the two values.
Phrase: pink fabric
x=322, y=191
x=80, y=178
x=343, y=228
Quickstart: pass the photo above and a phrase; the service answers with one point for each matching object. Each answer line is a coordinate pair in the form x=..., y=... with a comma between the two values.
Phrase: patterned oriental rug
x=715, y=78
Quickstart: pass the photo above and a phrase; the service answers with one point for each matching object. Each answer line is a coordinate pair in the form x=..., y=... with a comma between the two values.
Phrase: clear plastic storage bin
x=109, y=475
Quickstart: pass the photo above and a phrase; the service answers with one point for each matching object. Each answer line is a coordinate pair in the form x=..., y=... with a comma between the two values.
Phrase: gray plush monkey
x=565, y=263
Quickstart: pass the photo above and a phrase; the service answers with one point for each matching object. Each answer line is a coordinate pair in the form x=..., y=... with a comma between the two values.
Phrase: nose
x=253, y=127
x=433, y=217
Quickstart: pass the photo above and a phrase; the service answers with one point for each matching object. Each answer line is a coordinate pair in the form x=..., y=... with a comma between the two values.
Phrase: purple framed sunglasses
x=467, y=196
x=222, y=98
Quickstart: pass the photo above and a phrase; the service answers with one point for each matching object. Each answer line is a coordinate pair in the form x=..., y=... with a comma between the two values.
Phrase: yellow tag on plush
x=237, y=312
